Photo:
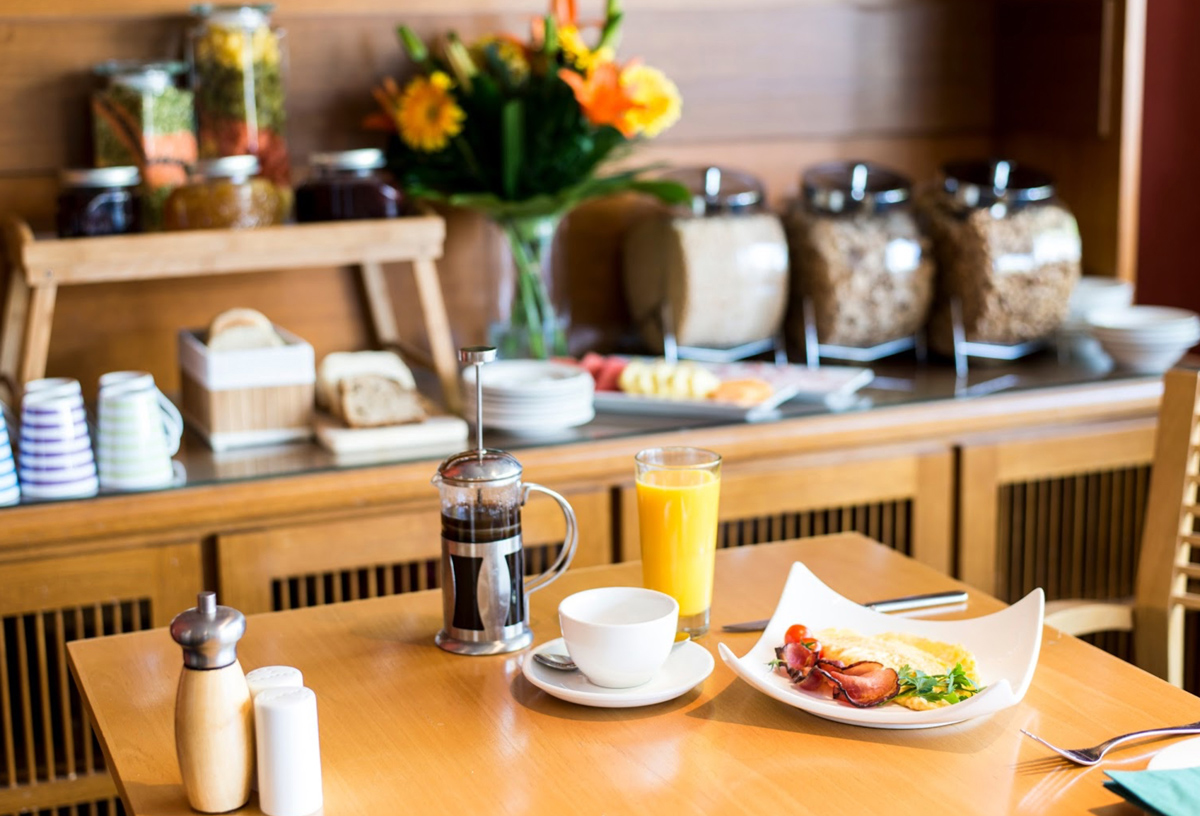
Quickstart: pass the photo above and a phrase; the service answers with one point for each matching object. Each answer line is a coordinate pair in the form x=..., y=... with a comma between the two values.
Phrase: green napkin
x=1167, y=793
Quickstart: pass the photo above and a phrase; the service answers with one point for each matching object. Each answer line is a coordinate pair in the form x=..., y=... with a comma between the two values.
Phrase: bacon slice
x=863, y=684
x=799, y=660
x=817, y=681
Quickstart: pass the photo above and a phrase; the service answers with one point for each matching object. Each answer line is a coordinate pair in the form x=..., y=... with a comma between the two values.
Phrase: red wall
x=1169, y=244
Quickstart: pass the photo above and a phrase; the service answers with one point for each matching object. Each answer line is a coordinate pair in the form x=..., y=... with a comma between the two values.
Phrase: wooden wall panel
x=770, y=86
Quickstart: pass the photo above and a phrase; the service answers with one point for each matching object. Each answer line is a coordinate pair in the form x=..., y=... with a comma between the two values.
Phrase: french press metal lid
x=484, y=589
x=209, y=634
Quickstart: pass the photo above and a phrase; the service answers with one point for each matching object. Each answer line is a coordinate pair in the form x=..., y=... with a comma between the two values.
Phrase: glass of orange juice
x=677, y=494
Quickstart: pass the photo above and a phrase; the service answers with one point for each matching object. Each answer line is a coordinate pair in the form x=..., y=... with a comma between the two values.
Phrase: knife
x=889, y=605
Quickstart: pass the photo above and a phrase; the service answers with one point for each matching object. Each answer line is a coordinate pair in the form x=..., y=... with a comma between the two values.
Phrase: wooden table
x=407, y=726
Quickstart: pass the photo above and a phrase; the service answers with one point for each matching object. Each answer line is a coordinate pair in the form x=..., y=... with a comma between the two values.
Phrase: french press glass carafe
x=485, y=604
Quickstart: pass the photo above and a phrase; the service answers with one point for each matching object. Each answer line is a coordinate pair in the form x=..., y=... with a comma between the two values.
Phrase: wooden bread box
x=241, y=399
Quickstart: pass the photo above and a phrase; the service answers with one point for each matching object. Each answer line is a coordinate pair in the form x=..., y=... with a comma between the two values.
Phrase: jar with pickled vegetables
x=226, y=193
x=238, y=66
x=142, y=118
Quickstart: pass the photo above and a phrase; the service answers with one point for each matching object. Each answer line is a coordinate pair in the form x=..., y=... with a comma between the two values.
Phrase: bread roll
x=372, y=400
x=241, y=329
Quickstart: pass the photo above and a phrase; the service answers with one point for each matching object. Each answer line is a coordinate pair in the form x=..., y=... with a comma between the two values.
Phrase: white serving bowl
x=1145, y=339
x=1144, y=319
x=1094, y=293
x=1142, y=361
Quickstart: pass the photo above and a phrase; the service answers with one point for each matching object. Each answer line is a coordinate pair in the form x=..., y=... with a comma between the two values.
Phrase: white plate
x=542, y=377
x=1005, y=644
x=687, y=667
x=824, y=384
x=1184, y=754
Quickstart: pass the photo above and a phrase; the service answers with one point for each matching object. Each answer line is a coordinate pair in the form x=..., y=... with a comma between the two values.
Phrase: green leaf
x=512, y=145
x=550, y=36
x=413, y=44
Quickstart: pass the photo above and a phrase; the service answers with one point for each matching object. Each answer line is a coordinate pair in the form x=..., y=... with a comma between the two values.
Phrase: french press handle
x=569, y=545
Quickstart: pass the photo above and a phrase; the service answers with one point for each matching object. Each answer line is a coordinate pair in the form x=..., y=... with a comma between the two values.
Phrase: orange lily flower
x=603, y=100
x=564, y=12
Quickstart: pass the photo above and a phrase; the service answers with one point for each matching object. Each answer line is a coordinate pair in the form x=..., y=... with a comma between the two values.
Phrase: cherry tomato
x=796, y=633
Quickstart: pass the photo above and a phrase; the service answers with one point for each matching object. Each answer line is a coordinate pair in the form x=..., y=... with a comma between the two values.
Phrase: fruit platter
x=648, y=385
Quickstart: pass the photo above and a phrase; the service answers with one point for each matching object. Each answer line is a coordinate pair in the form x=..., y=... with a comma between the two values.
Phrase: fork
x=1093, y=755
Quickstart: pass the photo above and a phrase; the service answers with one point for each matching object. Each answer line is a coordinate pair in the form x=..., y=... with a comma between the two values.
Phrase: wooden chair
x=1155, y=613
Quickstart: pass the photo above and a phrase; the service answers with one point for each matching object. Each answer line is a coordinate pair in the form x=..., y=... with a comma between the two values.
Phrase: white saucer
x=1184, y=754
x=687, y=667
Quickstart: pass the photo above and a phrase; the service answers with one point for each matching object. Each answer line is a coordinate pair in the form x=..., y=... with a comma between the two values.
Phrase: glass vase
x=533, y=318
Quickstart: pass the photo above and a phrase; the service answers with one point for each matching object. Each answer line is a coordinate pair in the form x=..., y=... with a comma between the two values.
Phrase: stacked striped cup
x=56, y=450
x=10, y=489
x=139, y=432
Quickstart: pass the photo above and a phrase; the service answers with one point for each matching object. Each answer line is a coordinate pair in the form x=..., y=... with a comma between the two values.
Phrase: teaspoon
x=563, y=662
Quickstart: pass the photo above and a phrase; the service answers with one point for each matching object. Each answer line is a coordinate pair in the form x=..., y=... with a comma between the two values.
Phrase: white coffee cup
x=139, y=431
x=619, y=636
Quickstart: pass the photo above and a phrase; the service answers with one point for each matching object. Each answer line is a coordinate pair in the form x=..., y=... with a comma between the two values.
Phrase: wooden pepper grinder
x=214, y=716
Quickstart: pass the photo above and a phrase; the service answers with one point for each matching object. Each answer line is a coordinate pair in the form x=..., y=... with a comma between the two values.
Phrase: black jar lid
x=845, y=186
x=100, y=177
x=983, y=183
x=361, y=160
x=717, y=190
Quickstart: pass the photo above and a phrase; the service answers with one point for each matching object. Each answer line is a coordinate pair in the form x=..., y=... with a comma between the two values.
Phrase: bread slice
x=341, y=364
x=373, y=400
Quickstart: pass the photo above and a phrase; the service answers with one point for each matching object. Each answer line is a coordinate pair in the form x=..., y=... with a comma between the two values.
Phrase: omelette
x=896, y=650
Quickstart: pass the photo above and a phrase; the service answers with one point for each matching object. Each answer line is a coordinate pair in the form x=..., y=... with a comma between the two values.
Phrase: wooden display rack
x=39, y=267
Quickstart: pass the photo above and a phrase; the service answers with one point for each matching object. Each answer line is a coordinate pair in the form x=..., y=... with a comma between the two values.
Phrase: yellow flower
x=577, y=51
x=508, y=50
x=427, y=115
x=656, y=100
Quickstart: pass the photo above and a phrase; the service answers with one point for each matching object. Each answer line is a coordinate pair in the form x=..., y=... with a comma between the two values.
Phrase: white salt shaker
x=289, y=752
x=266, y=677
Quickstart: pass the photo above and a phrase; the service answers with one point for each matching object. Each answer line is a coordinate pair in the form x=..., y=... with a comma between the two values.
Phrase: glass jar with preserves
x=1008, y=252
x=225, y=193
x=102, y=201
x=142, y=118
x=347, y=185
x=858, y=256
x=238, y=65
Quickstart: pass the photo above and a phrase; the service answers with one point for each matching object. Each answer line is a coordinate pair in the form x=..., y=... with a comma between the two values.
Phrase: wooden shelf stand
x=38, y=267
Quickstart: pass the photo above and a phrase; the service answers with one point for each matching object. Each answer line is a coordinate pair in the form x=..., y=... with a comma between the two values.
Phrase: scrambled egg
x=897, y=649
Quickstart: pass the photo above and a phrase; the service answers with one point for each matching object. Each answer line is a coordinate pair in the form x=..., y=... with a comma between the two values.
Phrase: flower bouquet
x=518, y=130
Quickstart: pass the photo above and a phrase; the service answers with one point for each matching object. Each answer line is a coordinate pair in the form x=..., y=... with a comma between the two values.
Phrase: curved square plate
x=1005, y=644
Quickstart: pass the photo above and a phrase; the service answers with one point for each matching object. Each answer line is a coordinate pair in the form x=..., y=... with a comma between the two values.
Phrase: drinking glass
x=678, y=490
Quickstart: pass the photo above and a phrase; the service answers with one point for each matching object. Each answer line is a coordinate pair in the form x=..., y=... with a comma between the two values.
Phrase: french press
x=485, y=606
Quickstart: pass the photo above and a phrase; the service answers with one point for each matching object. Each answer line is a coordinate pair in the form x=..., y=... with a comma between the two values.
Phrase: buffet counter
x=978, y=479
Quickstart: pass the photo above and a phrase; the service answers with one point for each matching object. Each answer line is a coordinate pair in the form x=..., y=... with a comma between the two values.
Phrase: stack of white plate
x=1091, y=294
x=1146, y=339
x=531, y=396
